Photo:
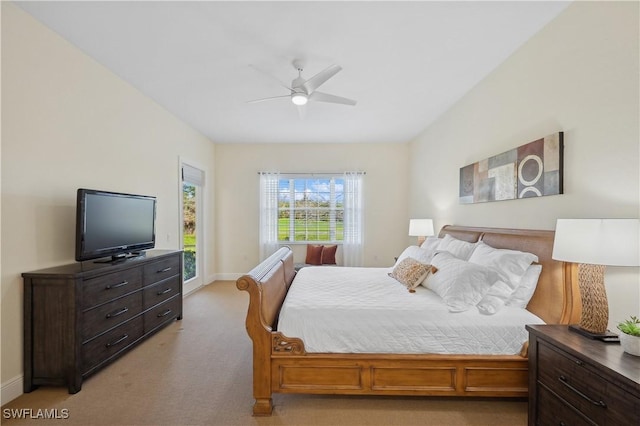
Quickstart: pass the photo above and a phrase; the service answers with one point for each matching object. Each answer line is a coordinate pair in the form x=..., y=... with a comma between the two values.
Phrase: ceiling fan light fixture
x=299, y=98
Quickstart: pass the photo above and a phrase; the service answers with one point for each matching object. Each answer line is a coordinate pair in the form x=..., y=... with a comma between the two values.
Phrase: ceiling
x=404, y=62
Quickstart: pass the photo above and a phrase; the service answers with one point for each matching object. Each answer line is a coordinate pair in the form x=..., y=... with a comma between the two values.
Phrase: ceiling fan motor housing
x=297, y=84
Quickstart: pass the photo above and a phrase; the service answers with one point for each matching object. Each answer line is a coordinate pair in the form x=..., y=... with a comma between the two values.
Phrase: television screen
x=113, y=224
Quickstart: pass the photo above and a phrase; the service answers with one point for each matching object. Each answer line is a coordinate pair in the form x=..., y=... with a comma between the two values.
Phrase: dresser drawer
x=162, y=269
x=109, y=315
x=102, y=348
x=107, y=287
x=576, y=382
x=160, y=292
x=163, y=313
x=553, y=411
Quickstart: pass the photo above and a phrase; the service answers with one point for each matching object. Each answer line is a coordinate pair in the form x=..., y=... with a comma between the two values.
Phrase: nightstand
x=575, y=380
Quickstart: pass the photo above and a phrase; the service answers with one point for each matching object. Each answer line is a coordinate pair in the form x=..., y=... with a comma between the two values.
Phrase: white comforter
x=363, y=310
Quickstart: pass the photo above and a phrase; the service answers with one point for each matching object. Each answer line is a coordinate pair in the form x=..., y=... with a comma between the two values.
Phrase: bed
x=283, y=364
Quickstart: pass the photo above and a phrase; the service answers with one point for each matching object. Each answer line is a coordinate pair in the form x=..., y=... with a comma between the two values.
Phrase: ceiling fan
x=303, y=91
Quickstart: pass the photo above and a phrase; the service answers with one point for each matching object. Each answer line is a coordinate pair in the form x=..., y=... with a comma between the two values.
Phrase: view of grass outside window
x=311, y=209
x=189, y=229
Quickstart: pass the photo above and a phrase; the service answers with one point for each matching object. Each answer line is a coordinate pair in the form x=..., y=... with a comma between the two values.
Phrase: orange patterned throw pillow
x=411, y=273
x=314, y=254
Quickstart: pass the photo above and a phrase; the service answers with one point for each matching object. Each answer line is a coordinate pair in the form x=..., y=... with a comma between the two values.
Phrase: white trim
x=191, y=290
x=11, y=389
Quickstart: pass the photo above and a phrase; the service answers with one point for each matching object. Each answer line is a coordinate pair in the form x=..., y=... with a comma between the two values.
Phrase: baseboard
x=11, y=389
x=230, y=276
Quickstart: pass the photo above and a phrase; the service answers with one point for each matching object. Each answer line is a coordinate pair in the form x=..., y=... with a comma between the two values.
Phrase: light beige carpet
x=198, y=372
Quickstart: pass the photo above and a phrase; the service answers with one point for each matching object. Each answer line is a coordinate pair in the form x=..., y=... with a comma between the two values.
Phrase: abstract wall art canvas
x=531, y=170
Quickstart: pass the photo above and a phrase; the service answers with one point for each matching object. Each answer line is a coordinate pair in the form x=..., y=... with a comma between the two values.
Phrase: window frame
x=335, y=211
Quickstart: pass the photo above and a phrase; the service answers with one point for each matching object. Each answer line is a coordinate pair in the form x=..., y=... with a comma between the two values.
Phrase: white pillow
x=495, y=298
x=510, y=264
x=523, y=293
x=431, y=245
x=458, y=248
x=460, y=284
x=419, y=254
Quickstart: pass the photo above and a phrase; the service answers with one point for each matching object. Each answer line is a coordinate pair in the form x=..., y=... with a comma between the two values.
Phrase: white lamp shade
x=612, y=242
x=420, y=227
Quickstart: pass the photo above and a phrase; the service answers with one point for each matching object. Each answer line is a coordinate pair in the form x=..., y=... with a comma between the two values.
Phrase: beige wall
x=237, y=196
x=67, y=122
x=580, y=76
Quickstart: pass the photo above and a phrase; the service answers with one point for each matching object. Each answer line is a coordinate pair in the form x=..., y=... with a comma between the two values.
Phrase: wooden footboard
x=281, y=364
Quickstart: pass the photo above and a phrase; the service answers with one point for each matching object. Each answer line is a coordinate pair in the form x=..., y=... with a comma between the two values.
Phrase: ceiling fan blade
x=325, y=97
x=268, y=99
x=273, y=78
x=317, y=80
x=302, y=112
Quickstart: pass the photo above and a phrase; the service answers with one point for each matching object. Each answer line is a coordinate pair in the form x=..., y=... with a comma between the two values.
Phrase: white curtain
x=353, y=244
x=268, y=234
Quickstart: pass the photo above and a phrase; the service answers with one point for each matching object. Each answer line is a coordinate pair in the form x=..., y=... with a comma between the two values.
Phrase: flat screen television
x=113, y=224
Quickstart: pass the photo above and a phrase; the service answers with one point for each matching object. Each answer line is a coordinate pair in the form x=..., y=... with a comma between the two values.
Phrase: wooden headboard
x=557, y=298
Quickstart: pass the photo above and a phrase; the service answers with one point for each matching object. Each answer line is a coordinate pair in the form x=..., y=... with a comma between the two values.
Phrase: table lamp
x=421, y=228
x=594, y=244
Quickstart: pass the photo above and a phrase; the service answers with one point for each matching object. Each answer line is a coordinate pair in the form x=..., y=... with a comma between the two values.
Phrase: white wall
x=67, y=122
x=237, y=196
x=578, y=75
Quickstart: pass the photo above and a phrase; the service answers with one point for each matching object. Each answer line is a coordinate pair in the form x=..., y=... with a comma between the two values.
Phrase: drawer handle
x=164, y=270
x=120, y=340
x=122, y=284
x=118, y=312
x=164, y=314
x=160, y=293
x=564, y=381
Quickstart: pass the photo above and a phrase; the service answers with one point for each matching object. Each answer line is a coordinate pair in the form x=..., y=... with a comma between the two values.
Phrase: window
x=311, y=209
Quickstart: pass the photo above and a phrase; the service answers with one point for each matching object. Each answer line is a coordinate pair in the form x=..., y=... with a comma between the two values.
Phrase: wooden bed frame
x=281, y=364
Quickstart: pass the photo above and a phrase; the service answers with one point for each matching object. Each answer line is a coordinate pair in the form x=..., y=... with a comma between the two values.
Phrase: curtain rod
x=313, y=173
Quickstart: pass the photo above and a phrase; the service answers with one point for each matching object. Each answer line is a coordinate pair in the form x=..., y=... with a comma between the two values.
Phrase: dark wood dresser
x=82, y=316
x=577, y=381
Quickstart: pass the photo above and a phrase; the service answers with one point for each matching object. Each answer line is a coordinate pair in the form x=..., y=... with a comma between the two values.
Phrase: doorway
x=192, y=195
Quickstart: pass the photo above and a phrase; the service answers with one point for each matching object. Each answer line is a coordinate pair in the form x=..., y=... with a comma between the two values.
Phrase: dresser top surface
x=91, y=267
x=608, y=355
